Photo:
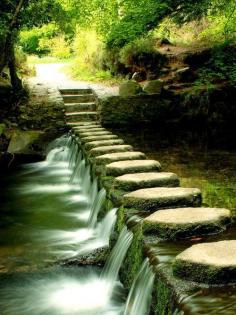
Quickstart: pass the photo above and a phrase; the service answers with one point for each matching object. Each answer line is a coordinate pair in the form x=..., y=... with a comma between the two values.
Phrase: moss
x=134, y=257
x=163, y=298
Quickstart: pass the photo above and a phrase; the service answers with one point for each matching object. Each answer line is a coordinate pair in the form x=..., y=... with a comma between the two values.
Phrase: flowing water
x=49, y=212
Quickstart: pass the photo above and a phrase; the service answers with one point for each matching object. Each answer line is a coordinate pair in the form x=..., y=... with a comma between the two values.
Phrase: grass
x=34, y=60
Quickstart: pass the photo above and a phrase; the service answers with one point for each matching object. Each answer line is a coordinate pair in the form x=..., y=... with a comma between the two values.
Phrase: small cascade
x=96, y=207
x=139, y=298
x=93, y=191
x=113, y=263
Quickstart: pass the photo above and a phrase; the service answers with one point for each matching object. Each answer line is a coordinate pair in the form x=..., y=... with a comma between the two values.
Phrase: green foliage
x=33, y=41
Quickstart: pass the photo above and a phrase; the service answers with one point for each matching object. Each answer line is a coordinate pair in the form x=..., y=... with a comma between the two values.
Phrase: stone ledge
x=212, y=263
x=93, y=133
x=129, y=182
x=187, y=222
x=132, y=166
x=151, y=199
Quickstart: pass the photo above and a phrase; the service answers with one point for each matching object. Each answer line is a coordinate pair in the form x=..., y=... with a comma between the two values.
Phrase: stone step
x=83, y=116
x=110, y=149
x=75, y=107
x=130, y=182
x=211, y=263
x=95, y=132
x=87, y=98
x=132, y=166
x=98, y=138
x=102, y=143
x=87, y=128
x=75, y=91
x=83, y=124
x=152, y=199
x=187, y=222
x=120, y=156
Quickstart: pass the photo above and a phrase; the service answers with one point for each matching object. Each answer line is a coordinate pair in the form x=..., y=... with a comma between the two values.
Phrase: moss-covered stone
x=213, y=263
x=151, y=199
x=130, y=88
x=129, y=182
x=120, y=156
x=187, y=222
x=110, y=149
x=153, y=87
x=132, y=166
x=90, y=132
x=102, y=143
x=98, y=138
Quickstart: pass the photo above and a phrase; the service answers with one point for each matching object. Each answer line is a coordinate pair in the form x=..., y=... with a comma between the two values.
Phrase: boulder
x=130, y=88
x=153, y=87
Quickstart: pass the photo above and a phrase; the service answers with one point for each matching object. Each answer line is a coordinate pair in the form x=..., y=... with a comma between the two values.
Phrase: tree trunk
x=15, y=80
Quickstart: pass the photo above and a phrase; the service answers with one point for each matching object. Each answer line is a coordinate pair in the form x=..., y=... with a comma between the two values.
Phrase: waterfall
x=139, y=298
x=96, y=207
x=113, y=263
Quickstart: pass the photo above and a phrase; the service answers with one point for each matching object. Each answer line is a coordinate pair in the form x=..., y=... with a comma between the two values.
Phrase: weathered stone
x=213, y=263
x=151, y=199
x=93, y=133
x=153, y=87
x=86, y=128
x=22, y=141
x=133, y=166
x=85, y=131
x=110, y=149
x=102, y=143
x=130, y=88
x=129, y=182
x=187, y=222
x=120, y=156
x=98, y=138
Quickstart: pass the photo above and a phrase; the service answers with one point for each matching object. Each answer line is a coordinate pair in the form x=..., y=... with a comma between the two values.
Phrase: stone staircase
x=80, y=106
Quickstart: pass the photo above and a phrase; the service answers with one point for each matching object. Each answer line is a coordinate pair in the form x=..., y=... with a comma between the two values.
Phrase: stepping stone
x=87, y=116
x=211, y=263
x=75, y=91
x=87, y=127
x=76, y=124
x=78, y=98
x=120, y=156
x=129, y=182
x=94, y=133
x=98, y=138
x=75, y=107
x=110, y=149
x=187, y=222
x=81, y=130
x=102, y=143
x=151, y=199
x=133, y=166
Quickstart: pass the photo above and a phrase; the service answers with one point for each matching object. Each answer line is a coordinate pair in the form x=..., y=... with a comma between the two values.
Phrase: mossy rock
x=110, y=149
x=130, y=88
x=153, y=87
x=211, y=263
x=119, y=156
x=187, y=222
x=101, y=143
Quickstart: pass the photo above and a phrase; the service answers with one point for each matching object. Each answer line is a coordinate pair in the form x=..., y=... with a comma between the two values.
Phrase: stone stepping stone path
x=131, y=182
x=132, y=166
x=212, y=263
x=172, y=212
x=187, y=222
x=80, y=105
x=151, y=199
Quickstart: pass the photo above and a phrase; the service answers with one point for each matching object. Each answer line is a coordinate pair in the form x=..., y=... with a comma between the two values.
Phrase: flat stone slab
x=87, y=128
x=129, y=182
x=102, y=143
x=151, y=199
x=82, y=132
x=94, y=133
x=133, y=166
x=110, y=149
x=187, y=222
x=120, y=156
x=212, y=263
x=98, y=138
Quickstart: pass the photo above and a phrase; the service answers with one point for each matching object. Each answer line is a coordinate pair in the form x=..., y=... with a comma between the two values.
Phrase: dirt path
x=53, y=76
